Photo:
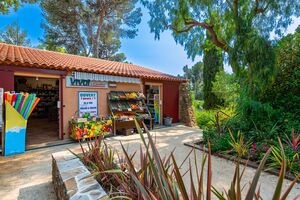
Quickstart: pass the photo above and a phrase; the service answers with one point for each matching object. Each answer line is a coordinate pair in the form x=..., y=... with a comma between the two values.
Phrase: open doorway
x=43, y=124
x=153, y=102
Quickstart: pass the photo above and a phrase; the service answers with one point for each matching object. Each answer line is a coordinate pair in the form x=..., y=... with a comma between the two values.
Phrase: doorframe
x=160, y=97
x=60, y=93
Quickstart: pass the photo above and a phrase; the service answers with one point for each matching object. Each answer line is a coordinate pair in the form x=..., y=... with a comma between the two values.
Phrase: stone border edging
x=72, y=180
x=242, y=161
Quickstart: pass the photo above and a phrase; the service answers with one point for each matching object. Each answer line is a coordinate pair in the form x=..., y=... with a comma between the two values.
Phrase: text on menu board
x=88, y=103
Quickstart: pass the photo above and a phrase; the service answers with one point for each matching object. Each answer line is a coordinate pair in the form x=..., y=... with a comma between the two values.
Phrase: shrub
x=226, y=88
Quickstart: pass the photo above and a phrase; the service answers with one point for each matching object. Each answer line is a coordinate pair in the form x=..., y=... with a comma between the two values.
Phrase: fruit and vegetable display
x=120, y=95
x=83, y=128
x=125, y=106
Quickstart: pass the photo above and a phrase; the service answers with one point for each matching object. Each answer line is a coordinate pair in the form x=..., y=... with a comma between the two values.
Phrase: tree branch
x=259, y=10
x=210, y=29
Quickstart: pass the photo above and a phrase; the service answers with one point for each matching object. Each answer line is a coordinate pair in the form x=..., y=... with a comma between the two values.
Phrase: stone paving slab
x=72, y=180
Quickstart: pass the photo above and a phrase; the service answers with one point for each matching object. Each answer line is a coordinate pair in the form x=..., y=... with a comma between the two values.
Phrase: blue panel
x=14, y=142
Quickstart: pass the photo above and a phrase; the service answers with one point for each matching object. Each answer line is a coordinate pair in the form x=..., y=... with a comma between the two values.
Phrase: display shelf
x=48, y=100
x=125, y=107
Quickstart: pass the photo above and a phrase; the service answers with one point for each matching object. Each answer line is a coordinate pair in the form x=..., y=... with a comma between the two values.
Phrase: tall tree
x=6, y=5
x=85, y=26
x=240, y=28
x=13, y=34
x=212, y=64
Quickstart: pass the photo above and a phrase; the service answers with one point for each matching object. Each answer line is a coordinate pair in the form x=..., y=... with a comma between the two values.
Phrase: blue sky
x=163, y=55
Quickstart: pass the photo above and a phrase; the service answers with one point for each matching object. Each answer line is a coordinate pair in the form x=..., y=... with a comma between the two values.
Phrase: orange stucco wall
x=70, y=100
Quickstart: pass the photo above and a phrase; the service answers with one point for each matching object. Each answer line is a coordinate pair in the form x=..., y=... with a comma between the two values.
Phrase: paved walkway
x=28, y=176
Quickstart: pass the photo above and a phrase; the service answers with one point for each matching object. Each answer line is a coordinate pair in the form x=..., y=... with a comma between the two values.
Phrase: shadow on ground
x=37, y=192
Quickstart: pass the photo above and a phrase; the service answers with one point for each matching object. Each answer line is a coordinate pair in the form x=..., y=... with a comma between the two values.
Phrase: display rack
x=152, y=101
x=125, y=107
x=49, y=98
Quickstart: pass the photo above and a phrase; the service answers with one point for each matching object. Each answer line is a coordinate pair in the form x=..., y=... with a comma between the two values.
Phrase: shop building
x=57, y=78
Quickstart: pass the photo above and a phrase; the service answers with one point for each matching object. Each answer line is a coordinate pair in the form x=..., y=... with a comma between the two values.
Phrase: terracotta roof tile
x=30, y=57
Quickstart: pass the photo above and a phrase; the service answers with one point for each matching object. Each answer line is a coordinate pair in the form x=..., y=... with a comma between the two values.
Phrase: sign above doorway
x=85, y=83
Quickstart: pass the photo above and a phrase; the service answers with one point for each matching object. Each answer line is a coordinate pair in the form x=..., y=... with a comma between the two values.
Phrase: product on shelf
x=123, y=117
x=131, y=95
x=143, y=116
x=134, y=106
x=90, y=127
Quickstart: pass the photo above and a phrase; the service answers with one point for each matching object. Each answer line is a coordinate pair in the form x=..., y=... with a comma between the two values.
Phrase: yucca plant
x=238, y=144
x=294, y=142
x=276, y=160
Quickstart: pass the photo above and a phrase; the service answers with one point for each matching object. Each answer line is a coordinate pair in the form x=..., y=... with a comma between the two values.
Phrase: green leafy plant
x=238, y=144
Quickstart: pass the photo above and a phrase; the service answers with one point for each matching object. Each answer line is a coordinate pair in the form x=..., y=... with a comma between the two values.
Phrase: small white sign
x=87, y=103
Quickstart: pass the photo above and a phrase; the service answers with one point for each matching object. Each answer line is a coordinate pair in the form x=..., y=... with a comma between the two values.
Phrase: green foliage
x=218, y=143
x=284, y=94
x=230, y=24
x=255, y=118
x=198, y=104
x=195, y=77
x=6, y=5
x=90, y=28
x=238, y=144
x=226, y=88
x=206, y=119
x=13, y=34
x=51, y=47
x=213, y=63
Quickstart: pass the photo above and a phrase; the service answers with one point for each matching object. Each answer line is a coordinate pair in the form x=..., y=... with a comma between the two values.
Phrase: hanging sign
x=72, y=82
x=87, y=103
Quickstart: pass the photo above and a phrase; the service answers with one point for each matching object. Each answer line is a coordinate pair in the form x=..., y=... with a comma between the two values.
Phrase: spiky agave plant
x=171, y=185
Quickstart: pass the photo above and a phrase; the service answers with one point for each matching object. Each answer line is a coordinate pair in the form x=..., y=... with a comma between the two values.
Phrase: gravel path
x=28, y=176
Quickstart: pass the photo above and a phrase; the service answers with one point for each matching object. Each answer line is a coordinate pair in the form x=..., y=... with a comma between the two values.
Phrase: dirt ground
x=28, y=176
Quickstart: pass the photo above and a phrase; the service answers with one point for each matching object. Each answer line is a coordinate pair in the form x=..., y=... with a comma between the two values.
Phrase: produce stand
x=125, y=107
x=83, y=128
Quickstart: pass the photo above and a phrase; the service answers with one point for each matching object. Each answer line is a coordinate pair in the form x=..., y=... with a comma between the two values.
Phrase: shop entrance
x=153, y=95
x=43, y=124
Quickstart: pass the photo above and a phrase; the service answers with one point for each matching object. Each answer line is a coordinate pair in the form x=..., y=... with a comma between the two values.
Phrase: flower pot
x=168, y=121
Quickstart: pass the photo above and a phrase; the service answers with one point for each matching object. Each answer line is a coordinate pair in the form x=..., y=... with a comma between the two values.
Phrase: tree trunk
x=97, y=37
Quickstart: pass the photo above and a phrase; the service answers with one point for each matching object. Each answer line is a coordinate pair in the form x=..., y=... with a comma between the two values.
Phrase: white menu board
x=87, y=103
